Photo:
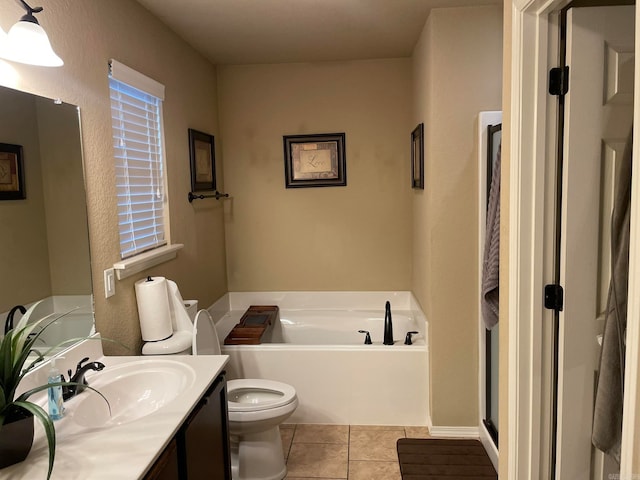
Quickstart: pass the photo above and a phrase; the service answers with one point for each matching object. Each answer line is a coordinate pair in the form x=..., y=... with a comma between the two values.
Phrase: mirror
x=44, y=239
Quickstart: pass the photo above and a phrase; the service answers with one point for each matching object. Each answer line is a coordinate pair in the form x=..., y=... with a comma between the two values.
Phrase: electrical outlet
x=109, y=283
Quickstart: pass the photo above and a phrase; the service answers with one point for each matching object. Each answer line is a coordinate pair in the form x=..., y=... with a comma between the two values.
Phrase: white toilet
x=257, y=407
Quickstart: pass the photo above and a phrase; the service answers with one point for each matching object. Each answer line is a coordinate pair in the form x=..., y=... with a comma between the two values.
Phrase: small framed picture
x=417, y=157
x=202, y=153
x=316, y=160
x=11, y=172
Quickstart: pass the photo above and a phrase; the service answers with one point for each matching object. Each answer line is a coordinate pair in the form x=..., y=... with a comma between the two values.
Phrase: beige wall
x=64, y=199
x=331, y=238
x=457, y=72
x=86, y=34
x=24, y=256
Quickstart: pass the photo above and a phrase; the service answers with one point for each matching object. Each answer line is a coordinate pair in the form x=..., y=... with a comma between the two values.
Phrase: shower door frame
x=529, y=132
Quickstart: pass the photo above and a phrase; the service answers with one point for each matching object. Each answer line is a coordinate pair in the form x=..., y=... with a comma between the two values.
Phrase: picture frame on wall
x=417, y=157
x=316, y=160
x=11, y=172
x=202, y=154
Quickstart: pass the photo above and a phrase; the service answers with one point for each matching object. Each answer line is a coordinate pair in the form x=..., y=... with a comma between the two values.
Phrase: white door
x=599, y=111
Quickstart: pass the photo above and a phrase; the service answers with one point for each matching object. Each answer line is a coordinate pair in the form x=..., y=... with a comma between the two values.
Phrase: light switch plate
x=109, y=283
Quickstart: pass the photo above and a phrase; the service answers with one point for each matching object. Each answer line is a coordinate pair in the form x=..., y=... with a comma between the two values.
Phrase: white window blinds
x=136, y=117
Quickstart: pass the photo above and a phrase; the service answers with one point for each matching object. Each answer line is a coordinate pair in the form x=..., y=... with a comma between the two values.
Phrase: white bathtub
x=339, y=380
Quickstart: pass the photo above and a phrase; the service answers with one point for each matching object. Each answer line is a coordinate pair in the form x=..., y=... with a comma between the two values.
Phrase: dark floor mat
x=434, y=458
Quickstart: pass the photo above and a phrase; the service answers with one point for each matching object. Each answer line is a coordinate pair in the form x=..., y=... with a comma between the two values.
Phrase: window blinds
x=136, y=116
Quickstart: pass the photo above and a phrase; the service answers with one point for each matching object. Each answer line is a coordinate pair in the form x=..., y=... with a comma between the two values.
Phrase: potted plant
x=17, y=413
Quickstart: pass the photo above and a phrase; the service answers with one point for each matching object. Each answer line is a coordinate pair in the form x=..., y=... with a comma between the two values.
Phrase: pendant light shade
x=27, y=42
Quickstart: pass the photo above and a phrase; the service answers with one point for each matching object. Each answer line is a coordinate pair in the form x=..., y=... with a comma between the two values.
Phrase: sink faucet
x=9, y=323
x=388, y=325
x=70, y=391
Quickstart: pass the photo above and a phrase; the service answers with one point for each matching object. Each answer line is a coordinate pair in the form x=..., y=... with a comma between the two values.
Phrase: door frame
x=531, y=134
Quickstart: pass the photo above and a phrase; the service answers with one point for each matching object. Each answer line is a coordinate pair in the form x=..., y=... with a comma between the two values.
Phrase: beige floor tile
x=365, y=470
x=417, y=432
x=308, y=460
x=378, y=445
x=286, y=434
x=337, y=434
x=357, y=428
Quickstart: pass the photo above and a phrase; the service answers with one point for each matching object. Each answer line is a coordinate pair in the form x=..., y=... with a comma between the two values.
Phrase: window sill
x=141, y=262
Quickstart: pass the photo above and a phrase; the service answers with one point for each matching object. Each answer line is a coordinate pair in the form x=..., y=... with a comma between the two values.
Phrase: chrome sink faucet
x=388, y=325
x=70, y=391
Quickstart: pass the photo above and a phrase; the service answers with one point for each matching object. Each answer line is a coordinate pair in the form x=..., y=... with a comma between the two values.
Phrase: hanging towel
x=607, y=420
x=491, y=259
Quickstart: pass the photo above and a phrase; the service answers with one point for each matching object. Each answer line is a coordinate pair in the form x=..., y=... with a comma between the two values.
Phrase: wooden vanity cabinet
x=203, y=440
x=200, y=449
x=166, y=467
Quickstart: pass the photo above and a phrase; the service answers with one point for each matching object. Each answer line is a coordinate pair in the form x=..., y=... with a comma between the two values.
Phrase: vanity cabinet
x=200, y=450
x=166, y=467
x=203, y=440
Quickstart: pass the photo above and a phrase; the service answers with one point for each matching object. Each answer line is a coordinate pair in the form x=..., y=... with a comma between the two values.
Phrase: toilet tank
x=192, y=308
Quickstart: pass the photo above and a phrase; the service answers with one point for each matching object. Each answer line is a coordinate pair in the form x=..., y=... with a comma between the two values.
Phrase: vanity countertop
x=124, y=451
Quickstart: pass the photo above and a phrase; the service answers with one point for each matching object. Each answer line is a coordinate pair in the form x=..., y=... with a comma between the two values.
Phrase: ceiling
x=281, y=31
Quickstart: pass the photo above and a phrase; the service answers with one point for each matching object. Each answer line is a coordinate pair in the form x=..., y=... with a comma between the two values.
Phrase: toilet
x=257, y=407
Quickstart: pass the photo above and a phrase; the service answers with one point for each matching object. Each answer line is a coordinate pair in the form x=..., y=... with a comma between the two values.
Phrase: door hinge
x=553, y=297
x=559, y=80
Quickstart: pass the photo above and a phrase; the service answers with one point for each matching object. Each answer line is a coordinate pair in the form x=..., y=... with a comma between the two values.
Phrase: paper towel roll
x=179, y=317
x=153, y=309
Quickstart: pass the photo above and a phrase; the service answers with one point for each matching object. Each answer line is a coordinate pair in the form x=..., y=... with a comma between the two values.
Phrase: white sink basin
x=134, y=390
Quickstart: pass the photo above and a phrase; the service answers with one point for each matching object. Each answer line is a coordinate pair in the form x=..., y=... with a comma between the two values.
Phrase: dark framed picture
x=417, y=157
x=315, y=160
x=11, y=172
x=202, y=153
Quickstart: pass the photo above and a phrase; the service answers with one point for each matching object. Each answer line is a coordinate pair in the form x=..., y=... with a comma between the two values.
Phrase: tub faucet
x=388, y=325
x=367, y=337
x=70, y=391
x=9, y=323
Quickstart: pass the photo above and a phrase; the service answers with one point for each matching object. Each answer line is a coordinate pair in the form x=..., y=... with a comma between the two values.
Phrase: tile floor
x=352, y=452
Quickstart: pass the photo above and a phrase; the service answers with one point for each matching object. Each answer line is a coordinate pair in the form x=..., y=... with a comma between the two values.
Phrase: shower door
x=598, y=115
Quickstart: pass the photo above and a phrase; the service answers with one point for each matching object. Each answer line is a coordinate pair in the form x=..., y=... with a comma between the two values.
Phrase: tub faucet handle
x=407, y=339
x=367, y=337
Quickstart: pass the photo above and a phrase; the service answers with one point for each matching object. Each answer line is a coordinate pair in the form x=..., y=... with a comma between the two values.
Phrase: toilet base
x=257, y=456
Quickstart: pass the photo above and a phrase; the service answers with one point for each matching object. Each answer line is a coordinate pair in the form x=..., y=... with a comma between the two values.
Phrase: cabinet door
x=166, y=467
x=204, y=438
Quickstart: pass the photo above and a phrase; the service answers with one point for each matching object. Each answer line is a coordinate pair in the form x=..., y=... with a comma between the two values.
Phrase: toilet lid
x=205, y=337
x=246, y=395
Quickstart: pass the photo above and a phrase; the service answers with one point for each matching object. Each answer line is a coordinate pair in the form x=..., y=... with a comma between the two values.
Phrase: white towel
x=491, y=259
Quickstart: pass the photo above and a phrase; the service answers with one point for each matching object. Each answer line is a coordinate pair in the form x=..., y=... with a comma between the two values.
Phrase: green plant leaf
x=15, y=348
x=50, y=431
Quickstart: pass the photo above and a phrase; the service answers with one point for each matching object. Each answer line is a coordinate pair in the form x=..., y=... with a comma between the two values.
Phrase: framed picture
x=417, y=157
x=11, y=172
x=202, y=153
x=315, y=160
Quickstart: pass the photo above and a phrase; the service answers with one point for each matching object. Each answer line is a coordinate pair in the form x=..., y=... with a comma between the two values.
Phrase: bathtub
x=317, y=349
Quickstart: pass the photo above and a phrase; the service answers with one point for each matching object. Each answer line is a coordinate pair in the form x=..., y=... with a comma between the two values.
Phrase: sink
x=134, y=390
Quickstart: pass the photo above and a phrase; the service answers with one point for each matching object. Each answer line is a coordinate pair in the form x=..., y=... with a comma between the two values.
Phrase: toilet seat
x=274, y=394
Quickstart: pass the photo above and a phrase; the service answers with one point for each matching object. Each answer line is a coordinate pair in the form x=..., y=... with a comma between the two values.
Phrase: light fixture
x=27, y=42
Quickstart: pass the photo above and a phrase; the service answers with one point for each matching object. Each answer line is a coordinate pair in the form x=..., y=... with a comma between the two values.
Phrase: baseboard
x=454, y=432
x=489, y=446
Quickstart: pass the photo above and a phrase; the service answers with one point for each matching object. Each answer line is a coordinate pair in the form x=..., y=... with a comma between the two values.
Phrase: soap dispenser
x=56, y=406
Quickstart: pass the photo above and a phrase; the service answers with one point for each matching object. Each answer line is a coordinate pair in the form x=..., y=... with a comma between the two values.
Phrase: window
x=136, y=117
